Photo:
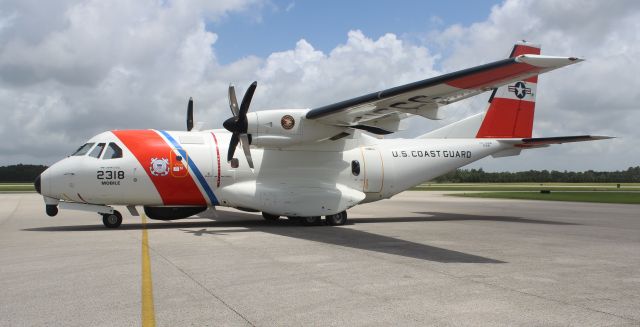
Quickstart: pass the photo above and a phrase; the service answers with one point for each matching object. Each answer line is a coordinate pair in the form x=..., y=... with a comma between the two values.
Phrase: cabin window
x=83, y=149
x=113, y=152
x=355, y=167
x=97, y=151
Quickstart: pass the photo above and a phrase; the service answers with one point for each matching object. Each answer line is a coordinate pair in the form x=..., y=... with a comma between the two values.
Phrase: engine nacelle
x=282, y=128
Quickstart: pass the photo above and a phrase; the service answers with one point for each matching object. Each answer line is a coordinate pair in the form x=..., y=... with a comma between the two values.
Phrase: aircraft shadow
x=445, y=216
x=346, y=237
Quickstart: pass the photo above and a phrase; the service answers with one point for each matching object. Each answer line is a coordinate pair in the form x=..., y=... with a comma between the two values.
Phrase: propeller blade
x=190, y=115
x=244, y=140
x=238, y=123
x=232, y=146
x=233, y=101
x=246, y=100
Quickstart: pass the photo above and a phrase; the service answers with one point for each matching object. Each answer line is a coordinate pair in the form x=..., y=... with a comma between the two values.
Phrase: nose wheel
x=113, y=220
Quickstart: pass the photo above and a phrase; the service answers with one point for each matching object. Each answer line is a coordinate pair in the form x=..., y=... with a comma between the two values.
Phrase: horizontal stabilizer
x=545, y=141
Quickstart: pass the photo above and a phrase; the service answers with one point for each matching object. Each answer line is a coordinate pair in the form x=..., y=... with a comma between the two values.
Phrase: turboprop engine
x=271, y=128
x=282, y=128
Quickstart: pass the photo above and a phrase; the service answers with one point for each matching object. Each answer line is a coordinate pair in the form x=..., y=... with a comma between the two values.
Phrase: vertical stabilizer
x=511, y=107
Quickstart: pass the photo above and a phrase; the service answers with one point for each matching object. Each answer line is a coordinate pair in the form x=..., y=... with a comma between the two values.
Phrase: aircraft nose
x=36, y=184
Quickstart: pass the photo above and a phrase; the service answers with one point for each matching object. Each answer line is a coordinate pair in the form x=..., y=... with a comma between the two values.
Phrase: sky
x=71, y=69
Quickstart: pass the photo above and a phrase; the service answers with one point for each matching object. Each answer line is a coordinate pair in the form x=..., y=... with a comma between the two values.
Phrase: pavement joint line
x=552, y=300
x=13, y=212
x=148, y=311
x=376, y=256
x=210, y=292
x=373, y=255
x=517, y=291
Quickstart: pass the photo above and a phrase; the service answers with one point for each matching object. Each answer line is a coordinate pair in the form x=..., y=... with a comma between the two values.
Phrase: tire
x=113, y=220
x=337, y=219
x=311, y=220
x=52, y=210
x=270, y=217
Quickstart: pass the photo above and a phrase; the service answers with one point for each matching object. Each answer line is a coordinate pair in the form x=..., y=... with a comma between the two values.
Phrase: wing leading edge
x=384, y=109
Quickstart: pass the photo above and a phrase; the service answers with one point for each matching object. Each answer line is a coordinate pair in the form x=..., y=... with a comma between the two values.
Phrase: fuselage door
x=373, y=170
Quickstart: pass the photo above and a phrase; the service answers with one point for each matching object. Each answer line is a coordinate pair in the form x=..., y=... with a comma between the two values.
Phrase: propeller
x=238, y=123
x=190, y=115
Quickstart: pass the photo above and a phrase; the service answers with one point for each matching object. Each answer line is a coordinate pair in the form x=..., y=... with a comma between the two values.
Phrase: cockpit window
x=97, y=151
x=113, y=151
x=83, y=149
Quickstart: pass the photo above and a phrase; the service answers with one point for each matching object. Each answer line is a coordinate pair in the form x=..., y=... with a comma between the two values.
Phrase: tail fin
x=511, y=107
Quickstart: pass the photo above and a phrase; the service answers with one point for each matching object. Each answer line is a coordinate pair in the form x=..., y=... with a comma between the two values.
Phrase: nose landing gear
x=51, y=209
x=113, y=220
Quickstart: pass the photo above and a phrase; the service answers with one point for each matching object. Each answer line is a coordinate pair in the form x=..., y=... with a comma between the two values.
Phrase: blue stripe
x=194, y=168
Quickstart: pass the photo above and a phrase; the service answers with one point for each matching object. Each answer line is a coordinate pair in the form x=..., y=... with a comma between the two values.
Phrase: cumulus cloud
x=598, y=96
x=305, y=77
x=134, y=65
x=72, y=69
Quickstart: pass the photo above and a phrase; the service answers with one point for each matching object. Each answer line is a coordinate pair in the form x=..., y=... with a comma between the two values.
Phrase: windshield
x=83, y=149
x=97, y=151
x=113, y=151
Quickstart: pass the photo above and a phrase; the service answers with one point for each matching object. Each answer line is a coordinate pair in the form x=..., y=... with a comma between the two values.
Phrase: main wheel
x=311, y=220
x=113, y=220
x=337, y=219
x=270, y=217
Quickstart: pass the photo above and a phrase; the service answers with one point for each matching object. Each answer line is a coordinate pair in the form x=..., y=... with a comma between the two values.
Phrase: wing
x=381, y=112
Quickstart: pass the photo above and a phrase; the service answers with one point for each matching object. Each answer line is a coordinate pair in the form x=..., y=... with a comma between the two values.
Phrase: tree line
x=631, y=175
x=20, y=173
x=28, y=173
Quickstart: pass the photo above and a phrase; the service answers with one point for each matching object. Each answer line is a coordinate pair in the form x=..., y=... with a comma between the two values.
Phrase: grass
x=17, y=187
x=579, y=192
x=504, y=187
x=600, y=197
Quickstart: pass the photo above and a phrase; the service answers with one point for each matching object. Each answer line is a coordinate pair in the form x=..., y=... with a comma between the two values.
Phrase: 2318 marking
x=110, y=174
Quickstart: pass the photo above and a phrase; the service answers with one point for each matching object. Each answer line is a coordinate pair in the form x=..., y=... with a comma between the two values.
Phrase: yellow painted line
x=148, y=311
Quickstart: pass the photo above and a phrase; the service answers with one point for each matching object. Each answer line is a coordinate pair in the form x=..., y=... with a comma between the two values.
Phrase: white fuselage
x=310, y=180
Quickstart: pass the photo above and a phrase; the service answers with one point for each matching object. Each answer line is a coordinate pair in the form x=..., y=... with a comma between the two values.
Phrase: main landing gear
x=332, y=220
x=269, y=217
x=112, y=220
x=337, y=219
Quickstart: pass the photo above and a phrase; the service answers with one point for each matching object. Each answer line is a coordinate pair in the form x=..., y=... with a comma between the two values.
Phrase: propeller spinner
x=238, y=123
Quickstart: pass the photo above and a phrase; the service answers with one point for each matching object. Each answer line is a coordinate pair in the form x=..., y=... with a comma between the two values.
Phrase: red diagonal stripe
x=146, y=145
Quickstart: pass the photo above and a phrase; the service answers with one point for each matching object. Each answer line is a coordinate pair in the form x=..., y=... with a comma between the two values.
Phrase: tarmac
x=418, y=259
